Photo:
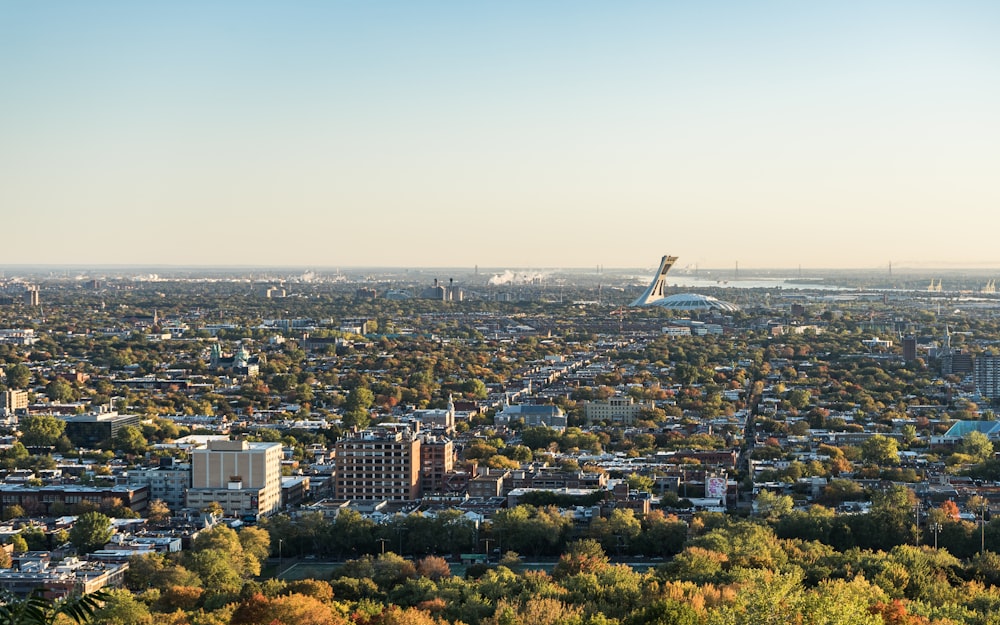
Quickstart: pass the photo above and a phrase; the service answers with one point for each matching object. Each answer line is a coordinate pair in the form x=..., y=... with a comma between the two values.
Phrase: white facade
x=619, y=409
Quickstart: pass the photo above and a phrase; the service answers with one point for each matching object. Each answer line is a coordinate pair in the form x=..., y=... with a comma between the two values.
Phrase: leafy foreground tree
x=36, y=610
x=90, y=532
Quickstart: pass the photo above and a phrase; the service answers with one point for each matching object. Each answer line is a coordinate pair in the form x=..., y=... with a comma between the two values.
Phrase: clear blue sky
x=529, y=134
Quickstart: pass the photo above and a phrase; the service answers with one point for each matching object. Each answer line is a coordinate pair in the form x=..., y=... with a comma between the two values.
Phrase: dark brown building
x=38, y=500
x=437, y=459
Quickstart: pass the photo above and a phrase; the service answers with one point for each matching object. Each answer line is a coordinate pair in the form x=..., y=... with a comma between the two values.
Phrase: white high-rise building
x=986, y=373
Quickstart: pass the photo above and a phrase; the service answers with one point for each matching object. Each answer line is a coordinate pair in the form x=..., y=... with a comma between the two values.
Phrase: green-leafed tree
x=129, y=440
x=976, y=445
x=41, y=430
x=18, y=376
x=215, y=570
x=59, y=390
x=880, y=450
x=122, y=608
x=772, y=506
x=256, y=543
x=90, y=532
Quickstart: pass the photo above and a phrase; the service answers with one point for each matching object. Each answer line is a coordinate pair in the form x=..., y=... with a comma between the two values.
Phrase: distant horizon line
x=686, y=270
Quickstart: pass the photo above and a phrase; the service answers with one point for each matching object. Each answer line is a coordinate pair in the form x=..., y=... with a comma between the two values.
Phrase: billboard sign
x=715, y=488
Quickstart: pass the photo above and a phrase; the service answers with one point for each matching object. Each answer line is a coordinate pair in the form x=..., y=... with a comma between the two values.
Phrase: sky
x=501, y=134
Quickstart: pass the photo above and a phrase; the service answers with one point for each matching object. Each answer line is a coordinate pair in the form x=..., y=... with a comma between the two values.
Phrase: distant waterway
x=752, y=283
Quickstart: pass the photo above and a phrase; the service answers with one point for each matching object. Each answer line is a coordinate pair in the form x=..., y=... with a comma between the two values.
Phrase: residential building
x=294, y=489
x=488, y=483
x=553, y=478
x=986, y=373
x=31, y=297
x=441, y=419
x=69, y=577
x=381, y=463
x=720, y=458
x=437, y=459
x=168, y=482
x=13, y=403
x=957, y=363
x=18, y=336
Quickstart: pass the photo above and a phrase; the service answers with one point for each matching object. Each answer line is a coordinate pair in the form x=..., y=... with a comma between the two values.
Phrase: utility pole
x=936, y=528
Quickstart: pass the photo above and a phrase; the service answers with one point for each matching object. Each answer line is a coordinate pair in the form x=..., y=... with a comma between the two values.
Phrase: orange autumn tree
x=950, y=510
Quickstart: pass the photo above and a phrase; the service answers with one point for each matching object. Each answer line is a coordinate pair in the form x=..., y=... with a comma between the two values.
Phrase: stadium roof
x=693, y=302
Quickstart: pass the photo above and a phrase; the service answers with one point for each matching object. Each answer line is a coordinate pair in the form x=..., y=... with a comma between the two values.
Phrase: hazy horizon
x=442, y=134
x=790, y=272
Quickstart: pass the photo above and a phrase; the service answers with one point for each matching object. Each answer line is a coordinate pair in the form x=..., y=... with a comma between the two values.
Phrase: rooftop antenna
x=736, y=274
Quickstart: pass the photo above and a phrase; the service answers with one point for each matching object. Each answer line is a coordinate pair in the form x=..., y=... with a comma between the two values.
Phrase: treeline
x=531, y=530
x=732, y=573
x=544, y=530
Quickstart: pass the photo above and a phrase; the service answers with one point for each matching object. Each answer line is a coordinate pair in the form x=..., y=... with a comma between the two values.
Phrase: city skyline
x=567, y=134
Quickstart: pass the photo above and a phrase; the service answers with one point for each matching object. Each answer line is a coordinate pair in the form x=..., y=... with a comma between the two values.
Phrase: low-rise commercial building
x=42, y=500
x=91, y=430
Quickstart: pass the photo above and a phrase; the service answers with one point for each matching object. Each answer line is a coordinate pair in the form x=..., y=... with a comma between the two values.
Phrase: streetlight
x=383, y=541
x=281, y=560
x=936, y=528
x=400, y=530
x=983, y=511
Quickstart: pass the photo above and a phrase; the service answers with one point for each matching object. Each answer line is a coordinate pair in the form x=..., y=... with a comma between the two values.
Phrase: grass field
x=308, y=570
